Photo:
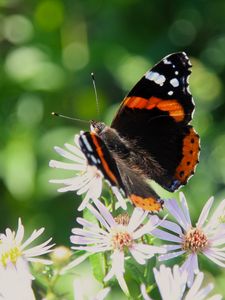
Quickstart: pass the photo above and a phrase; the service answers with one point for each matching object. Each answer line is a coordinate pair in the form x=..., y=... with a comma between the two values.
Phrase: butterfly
x=150, y=137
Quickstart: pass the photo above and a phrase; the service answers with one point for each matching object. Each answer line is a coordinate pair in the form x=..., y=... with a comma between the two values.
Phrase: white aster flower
x=88, y=179
x=172, y=285
x=118, y=235
x=13, y=251
x=79, y=291
x=206, y=237
x=15, y=282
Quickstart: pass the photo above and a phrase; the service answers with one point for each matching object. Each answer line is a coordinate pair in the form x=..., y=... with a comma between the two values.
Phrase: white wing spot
x=167, y=62
x=174, y=82
x=85, y=141
x=176, y=72
x=94, y=159
x=170, y=93
x=156, y=77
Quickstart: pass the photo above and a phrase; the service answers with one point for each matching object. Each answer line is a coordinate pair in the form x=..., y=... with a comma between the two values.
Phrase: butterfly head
x=96, y=126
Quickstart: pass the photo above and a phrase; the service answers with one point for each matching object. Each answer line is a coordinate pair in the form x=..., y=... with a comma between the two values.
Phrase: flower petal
x=205, y=212
x=185, y=207
x=170, y=255
x=177, y=213
x=66, y=166
x=166, y=236
x=136, y=218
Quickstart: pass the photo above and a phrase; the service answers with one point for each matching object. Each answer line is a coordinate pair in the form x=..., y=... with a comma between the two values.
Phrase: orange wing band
x=172, y=106
x=150, y=203
x=103, y=161
x=189, y=161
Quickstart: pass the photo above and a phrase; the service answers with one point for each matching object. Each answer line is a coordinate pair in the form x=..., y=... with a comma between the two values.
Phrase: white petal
x=20, y=232
x=213, y=258
x=191, y=267
x=75, y=263
x=177, y=213
x=215, y=219
x=34, y=236
x=71, y=181
x=67, y=166
x=171, y=226
x=96, y=192
x=205, y=212
x=119, y=197
x=136, y=218
x=79, y=154
x=118, y=266
x=84, y=202
x=87, y=186
x=65, y=154
x=172, y=247
x=195, y=287
x=185, y=207
x=98, y=216
x=166, y=236
x=102, y=294
x=147, y=228
x=170, y=255
x=144, y=293
x=105, y=213
x=149, y=249
x=40, y=260
x=138, y=256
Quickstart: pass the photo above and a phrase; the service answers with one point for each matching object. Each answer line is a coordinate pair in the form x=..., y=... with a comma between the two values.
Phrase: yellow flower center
x=195, y=240
x=11, y=255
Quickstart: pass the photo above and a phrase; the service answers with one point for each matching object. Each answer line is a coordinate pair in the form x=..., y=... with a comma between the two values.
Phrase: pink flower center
x=121, y=240
x=195, y=240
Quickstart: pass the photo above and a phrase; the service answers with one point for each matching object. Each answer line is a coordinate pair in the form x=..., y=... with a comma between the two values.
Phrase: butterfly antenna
x=69, y=118
x=96, y=95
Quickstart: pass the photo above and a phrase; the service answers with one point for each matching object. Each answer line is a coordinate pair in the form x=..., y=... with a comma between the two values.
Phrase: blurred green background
x=49, y=48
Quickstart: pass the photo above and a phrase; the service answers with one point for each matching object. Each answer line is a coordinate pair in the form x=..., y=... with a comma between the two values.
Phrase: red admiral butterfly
x=150, y=136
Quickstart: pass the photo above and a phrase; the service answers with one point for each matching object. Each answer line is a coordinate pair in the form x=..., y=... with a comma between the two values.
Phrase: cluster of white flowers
x=120, y=237
x=15, y=276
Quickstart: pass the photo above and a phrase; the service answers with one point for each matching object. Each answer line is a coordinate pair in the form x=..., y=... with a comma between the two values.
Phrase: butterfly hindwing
x=117, y=174
x=138, y=190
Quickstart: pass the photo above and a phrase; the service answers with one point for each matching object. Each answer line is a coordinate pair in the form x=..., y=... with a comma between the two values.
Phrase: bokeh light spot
x=126, y=68
x=213, y=55
x=205, y=84
x=48, y=76
x=20, y=165
x=17, y=29
x=29, y=110
x=49, y=14
x=30, y=65
x=182, y=33
x=75, y=56
x=22, y=63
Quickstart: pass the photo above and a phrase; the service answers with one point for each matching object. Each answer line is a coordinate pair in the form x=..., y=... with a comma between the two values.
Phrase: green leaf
x=98, y=266
x=135, y=271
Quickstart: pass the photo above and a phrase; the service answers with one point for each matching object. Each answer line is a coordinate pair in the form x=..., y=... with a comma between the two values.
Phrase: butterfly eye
x=97, y=127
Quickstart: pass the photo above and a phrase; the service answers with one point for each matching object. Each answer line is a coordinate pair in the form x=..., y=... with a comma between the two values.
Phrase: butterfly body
x=150, y=137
